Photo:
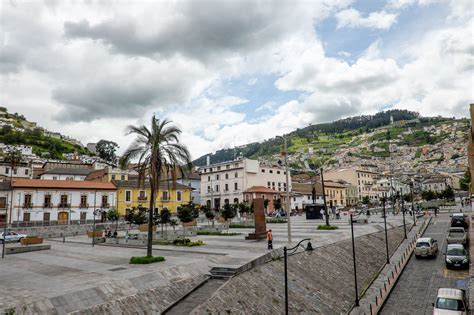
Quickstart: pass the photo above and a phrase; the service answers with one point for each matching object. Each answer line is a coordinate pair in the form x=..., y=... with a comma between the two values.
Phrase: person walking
x=270, y=239
x=322, y=214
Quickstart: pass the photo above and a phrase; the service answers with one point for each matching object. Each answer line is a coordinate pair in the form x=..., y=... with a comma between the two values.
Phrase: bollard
x=64, y=237
x=370, y=307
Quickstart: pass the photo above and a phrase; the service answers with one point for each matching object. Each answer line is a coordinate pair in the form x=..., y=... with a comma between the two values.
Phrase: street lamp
x=288, y=209
x=96, y=211
x=293, y=250
x=403, y=211
x=412, y=204
x=385, y=225
x=324, y=198
x=355, y=267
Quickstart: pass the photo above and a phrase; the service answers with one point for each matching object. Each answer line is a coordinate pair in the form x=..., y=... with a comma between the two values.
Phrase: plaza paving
x=76, y=265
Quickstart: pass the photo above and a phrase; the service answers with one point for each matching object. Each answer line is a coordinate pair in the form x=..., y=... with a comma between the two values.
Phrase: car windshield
x=456, y=233
x=456, y=252
x=422, y=244
x=450, y=304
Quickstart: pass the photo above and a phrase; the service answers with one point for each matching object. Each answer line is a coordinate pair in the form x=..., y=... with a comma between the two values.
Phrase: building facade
x=62, y=202
x=131, y=195
x=302, y=195
x=226, y=182
x=79, y=174
x=434, y=184
x=335, y=193
x=22, y=170
x=364, y=180
x=265, y=193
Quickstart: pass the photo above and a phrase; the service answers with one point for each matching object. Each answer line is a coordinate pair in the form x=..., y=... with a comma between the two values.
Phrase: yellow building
x=170, y=196
x=335, y=193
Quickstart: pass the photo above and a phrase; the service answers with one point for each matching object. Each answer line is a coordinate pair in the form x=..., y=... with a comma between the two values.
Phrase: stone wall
x=320, y=282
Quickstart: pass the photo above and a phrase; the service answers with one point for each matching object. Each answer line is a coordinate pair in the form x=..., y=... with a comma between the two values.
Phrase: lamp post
x=287, y=190
x=403, y=212
x=385, y=226
x=324, y=197
x=355, y=266
x=93, y=227
x=293, y=250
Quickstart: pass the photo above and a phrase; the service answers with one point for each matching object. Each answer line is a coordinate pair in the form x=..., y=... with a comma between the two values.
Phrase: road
x=417, y=287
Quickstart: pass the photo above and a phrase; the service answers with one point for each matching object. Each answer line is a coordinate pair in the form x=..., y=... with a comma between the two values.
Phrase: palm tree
x=160, y=155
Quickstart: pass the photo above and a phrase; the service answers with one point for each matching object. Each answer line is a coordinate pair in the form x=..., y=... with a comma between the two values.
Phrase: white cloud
x=344, y=54
x=252, y=81
x=401, y=4
x=353, y=18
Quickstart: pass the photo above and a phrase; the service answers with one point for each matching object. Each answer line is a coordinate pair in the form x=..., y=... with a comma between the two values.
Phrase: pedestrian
x=115, y=234
x=333, y=210
x=270, y=239
x=322, y=214
x=338, y=214
x=462, y=203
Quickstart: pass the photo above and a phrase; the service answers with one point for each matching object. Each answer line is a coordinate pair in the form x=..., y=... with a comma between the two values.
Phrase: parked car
x=457, y=235
x=451, y=301
x=426, y=247
x=456, y=257
x=11, y=236
x=459, y=220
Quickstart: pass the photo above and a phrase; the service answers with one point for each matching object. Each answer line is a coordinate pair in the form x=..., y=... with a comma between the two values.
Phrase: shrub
x=327, y=227
x=141, y=260
x=276, y=220
x=187, y=242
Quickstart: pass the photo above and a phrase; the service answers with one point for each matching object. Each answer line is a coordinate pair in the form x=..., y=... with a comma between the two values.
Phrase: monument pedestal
x=260, y=221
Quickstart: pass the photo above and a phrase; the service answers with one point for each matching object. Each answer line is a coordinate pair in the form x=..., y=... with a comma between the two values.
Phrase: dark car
x=459, y=220
x=456, y=257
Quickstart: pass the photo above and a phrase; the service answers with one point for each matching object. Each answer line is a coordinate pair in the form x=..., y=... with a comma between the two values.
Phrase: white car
x=11, y=237
x=451, y=301
x=426, y=246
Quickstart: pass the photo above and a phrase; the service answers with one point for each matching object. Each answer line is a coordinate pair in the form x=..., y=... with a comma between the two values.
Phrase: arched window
x=236, y=200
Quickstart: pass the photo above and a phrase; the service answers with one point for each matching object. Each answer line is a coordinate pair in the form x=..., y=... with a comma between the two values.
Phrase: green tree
x=106, y=150
x=160, y=155
x=113, y=215
x=277, y=204
x=185, y=215
x=465, y=181
x=210, y=215
x=448, y=193
x=165, y=218
x=265, y=203
x=366, y=200
x=229, y=212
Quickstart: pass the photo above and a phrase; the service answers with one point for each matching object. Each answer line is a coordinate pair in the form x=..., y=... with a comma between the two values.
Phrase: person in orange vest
x=270, y=239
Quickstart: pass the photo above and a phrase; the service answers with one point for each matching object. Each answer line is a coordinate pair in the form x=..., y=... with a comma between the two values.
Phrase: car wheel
x=417, y=257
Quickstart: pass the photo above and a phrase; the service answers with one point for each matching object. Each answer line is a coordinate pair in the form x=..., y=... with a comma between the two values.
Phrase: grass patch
x=142, y=260
x=217, y=233
x=241, y=226
x=276, y=220
x=327, y=227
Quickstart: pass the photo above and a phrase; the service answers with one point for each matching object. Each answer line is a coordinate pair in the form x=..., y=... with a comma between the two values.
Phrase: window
x=227, y=167
x=63, y=201
x=236, y=186
x=47, y=201
x=14, y=171
x=26, y=217
x=217, y=176
x=83, y=201
x=7, y=170
x=271, y=171
x=263, y=171
x=268, y=184
x=70, y=178
x=236, y=200
x=273, y=184
x=226, y=176
x=122, y=177
x=217, y=187
x=55, y=177
x=179, y=196
x=26, y=171
x=141, y=195
x=113, y=177
x=236, y=175
x=105, y=201
x=208, y=189
x=164, y=195
x=208, y=178
x=27, y=201
x=218, y=168
x=278, y=172
x=128, y=196
x=226, y=187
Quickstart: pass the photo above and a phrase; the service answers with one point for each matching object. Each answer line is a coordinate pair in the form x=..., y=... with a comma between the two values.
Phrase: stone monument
x=260, y=221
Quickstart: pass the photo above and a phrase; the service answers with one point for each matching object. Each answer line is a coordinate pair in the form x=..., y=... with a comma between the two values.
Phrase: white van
x=451, y=301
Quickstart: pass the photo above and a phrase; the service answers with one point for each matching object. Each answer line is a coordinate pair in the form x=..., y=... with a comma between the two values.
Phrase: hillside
x=341, y=131
x=17, y=130
x=410, y=144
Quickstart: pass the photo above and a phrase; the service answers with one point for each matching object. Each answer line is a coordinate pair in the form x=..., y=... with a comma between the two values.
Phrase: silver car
x=426, y=247
x=457, y=235
x=11, y=237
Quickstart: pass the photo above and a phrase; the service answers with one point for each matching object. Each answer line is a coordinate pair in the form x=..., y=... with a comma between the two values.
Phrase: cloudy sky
x=231, y=71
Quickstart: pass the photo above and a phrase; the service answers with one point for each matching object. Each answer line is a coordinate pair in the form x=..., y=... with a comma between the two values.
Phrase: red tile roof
x=62, y=184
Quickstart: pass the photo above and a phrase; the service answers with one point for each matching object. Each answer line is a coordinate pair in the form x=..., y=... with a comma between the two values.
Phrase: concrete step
x=196, y=298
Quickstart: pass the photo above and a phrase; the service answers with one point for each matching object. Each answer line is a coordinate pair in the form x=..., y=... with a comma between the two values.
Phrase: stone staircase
x=223, y=273
x=198, y=296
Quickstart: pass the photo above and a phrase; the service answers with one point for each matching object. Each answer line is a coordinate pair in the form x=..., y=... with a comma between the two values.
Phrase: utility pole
x=385, y=225
x=412, y=204
x=403, y=212
x=287, y=190
x=324, y=198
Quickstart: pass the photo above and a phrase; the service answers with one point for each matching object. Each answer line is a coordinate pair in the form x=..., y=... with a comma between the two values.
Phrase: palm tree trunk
x=150, y=222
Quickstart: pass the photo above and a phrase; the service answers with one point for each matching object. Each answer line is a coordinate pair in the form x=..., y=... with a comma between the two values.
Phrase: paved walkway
x=76, y=265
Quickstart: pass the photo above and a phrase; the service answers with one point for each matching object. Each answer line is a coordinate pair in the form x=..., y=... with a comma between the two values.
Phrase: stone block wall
x=320, y=282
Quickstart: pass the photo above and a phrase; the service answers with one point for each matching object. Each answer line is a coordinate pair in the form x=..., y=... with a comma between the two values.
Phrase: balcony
x=27, y=205
x=64, y=205
x=142, y=198
x=84, y=206
x=105, y=205
x=47, y=205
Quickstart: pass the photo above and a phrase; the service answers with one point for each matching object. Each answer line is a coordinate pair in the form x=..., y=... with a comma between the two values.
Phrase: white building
x=225, y=182
x=59, y=201
x=302, y=195
x=434, y=184
x=192, y=180
x=66, y=174
x=22, y=170
x=364, y=180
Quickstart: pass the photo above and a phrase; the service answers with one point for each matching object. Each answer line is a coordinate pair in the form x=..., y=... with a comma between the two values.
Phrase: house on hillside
x=79, y=174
